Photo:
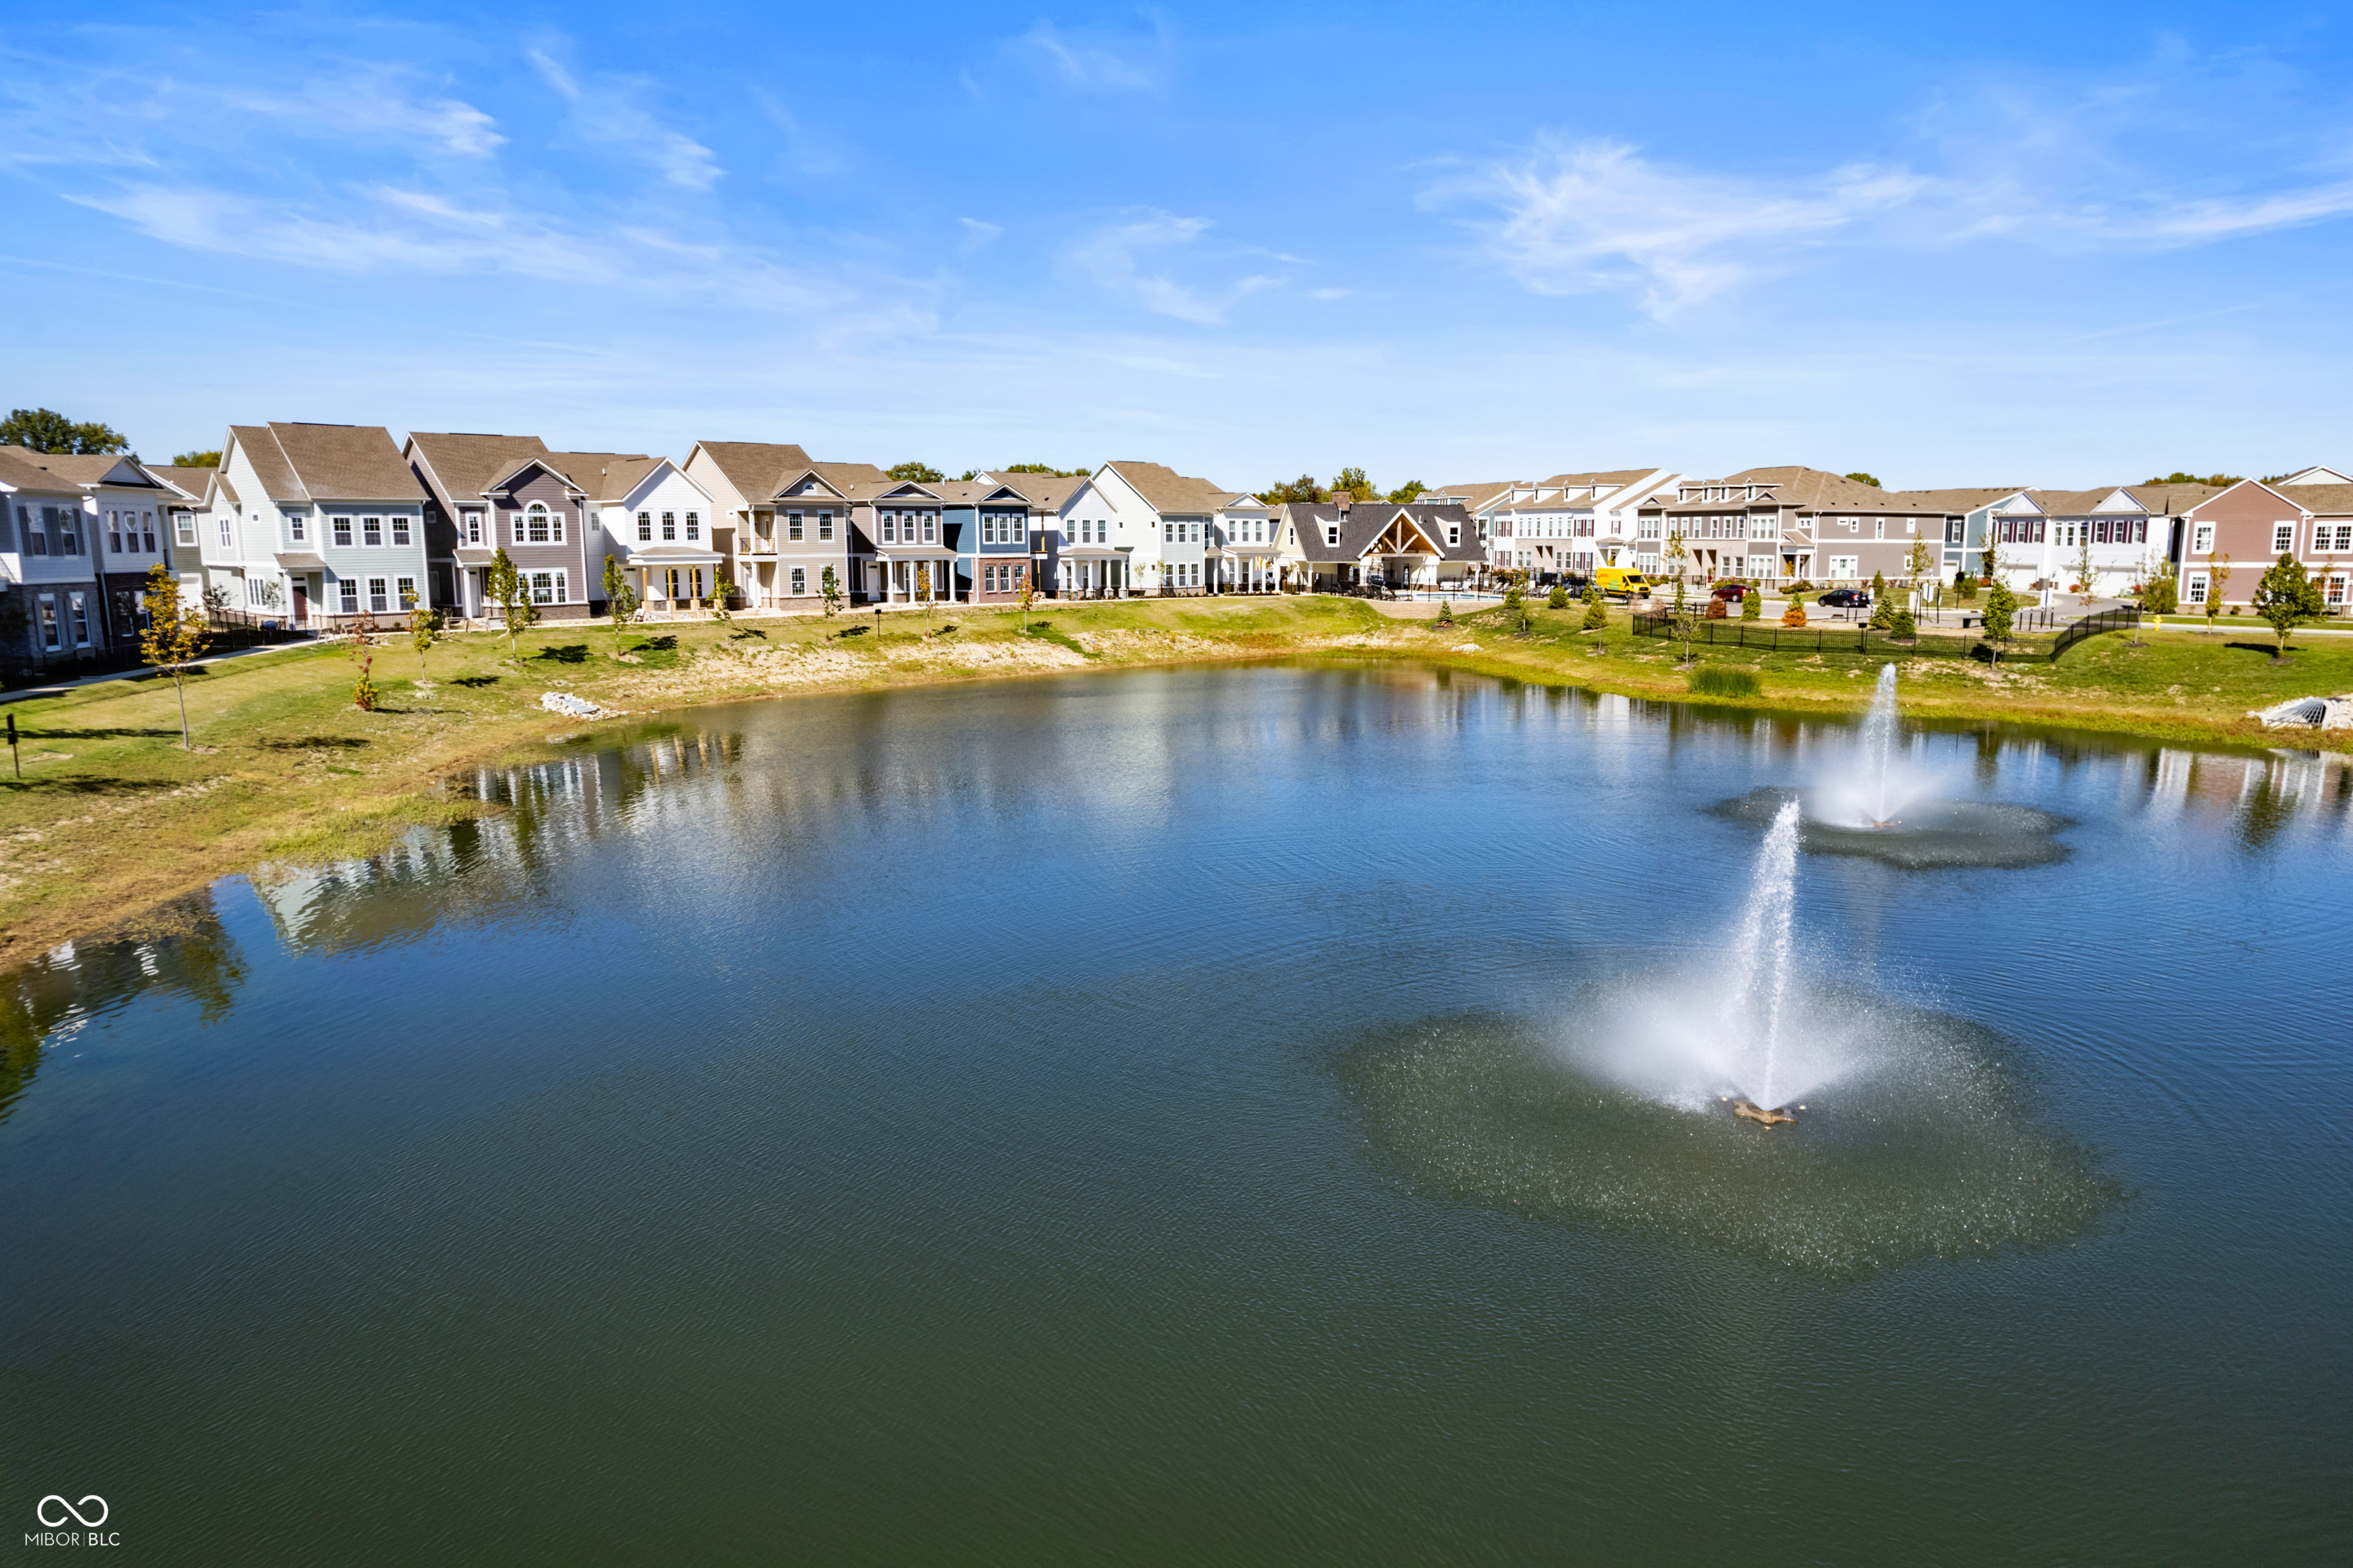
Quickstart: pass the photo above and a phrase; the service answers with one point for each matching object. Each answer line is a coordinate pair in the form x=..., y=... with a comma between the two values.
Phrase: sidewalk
x=143, y=672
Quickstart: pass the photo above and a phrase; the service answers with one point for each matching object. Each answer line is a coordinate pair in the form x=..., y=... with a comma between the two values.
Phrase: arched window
x=536, y=520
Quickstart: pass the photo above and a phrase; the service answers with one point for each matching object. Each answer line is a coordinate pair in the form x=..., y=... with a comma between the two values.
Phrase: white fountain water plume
x=1876, y=787
x=1756, y=1026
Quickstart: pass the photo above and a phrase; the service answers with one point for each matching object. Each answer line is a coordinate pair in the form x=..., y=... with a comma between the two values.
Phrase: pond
x=1170, y=1116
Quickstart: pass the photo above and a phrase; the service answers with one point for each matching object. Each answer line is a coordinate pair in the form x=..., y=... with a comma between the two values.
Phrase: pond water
x=1157, y=1118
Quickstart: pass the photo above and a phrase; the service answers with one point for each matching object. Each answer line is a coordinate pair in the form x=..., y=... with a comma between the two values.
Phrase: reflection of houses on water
x=179, y=948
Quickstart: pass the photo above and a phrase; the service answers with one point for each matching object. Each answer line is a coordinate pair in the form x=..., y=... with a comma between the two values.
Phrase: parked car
x=1847, y=599
x=1735, y=592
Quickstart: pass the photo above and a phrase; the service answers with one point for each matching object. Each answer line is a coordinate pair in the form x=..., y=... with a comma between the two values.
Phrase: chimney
x=1346, y=501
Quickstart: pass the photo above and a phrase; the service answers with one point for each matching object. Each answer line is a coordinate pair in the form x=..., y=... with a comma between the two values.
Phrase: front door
x=301, y=603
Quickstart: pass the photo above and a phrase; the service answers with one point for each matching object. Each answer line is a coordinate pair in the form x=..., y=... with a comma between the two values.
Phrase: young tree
x=924, y=592
x=1445, y=612
x=1512, y=602
x=2287, y=598
x=47, y=430
x=621, y=600
x=2218, y=585
x=424, y=628
x=364, y=695
x=1596, y=613
x=2088, y=575
x=1965, y=586
x=2001, y=606
x=1559, y=598
x=173, y=638
x=1917, y=566
x=1991, y=556
x=512, y=593
x=721, y=590
x=1022, y=599
x=1878, y=587
x=829, y=588
x=1678, y=555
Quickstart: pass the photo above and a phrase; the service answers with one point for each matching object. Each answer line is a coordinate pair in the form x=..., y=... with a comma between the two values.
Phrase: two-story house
x=809, y=533
x=655, y=523
x=461, y=537
x=2228, y=540
x=189, y=501
x=2127, y=529
x=316, y=524
x=743, y=479
x=1775, y=523
x=1163, y=524
x=125, y=532
x=898, y=543
x=49, y=611
x=1566, y=524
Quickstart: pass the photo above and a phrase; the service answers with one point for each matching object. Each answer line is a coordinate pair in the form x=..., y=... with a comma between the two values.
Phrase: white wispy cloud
x=977, y=233
x=1097, y=61
x=1111, y=257
x=1596, y=214
x=604, y=111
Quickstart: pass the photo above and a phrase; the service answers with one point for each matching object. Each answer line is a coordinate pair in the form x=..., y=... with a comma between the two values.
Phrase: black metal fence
x=229, y=634
x=1770, y=637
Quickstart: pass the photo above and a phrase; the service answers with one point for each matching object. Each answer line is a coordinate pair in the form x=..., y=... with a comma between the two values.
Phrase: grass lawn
x=112, y=816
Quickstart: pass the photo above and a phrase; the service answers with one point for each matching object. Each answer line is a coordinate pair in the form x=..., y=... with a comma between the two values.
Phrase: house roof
x=1477, y=496
x=604, y=476
x=1166, y=490
x=465, y=463
x=2335, y=500
x=186, y=477
x=84, y=470
x=1953, y=503
x=21, y=468
x=328, y=463
x=758, y=469
x=1362, y=525
x=1048, y=491
x=2159, y=500
x=844, y=477
x=1808, y=490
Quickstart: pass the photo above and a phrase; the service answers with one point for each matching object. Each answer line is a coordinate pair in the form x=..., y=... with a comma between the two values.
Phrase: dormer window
x=1454, y=533
x=1332, y=533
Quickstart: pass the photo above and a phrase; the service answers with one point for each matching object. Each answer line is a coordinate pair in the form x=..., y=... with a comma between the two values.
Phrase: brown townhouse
x=2244, y=529
x=1778, y=524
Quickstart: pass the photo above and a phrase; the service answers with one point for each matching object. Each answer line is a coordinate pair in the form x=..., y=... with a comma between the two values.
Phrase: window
x=1844, y=567
x=800, y=581
x=343, y=530
x=473, y=527
x=792, y=524
x=890, y=527
x=1879, y=527
x=1953, y=526
x=693, y=525
x=379, y=602
x=113, y=534
x=350, y=594
x=372, y=533
x=1911, y=524
x=404, y=592
x=930, y=527
x=535, y=522
x=2344, y=536
x=670, y=524
x=400, y=530
x=185, y=526
x=224, y=533
x=2198, y=589
x=2283, y=538
x=2334, y=593
x=542, y=588
x=1020, y=530
x=1331, y=532
x=49, y=621
x=1765, y=526
x=2201, y=540
x=645, y=526
x=298, y=526
x=825, y=524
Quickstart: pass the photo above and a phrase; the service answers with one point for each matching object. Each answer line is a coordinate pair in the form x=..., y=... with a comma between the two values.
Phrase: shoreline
x=113, y=819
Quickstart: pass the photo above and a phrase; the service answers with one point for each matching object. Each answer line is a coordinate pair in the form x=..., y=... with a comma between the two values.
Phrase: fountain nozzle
x=1758, y=1114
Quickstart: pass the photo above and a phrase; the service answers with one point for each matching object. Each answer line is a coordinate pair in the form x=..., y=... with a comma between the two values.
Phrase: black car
x=1847, y=599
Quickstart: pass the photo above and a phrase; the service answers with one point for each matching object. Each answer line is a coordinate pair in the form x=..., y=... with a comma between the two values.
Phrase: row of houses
x=314, y=525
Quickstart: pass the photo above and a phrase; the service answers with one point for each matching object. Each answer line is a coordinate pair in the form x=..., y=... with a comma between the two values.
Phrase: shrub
x=1717, y=609
x=1882, y=613
x=1558, y=598
x=1512, y=598
x=2161, y=595
x=1902, y=626
x=1596, y=614
x=1752, y=604
x=1795, y=615
x=1716, y=681
x=1801, y=586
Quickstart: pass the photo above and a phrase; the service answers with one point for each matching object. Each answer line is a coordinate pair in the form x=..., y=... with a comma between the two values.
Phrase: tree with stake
x=721, y=590
x=1023, y=597
x=1991, y=556
x=173, y=636
x=365, y=694
x=2088, y=575
x=620, y=602
x=2287, y=598
x=506, y=585
x=924, y=592
x=1596, y=614
x=829, y=588
x=1677, y=555
x=1918, y=565
x=424, y=628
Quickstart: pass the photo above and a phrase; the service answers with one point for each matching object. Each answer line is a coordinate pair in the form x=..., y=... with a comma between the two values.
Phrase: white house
x=1569, y=523
x=642, y=505
x=1160, y=527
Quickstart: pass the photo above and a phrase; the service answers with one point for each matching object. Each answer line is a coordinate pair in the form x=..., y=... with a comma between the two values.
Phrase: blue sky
x=2009, y=245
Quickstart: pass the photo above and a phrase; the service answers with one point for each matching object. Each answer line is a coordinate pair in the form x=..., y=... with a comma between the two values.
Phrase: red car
x=1735, y=592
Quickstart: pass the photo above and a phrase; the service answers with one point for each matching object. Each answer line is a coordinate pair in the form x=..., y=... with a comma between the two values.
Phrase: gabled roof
x=1166, y=490
x=87, y=471
x=190, y=481
x=2314, y=476
x=757, y=468
x=328, y=463
x=1363, y=525
x=1048, y=491
x=2157, y=500
x=2331, y=499
x=882, y=487
x=465, y=463
x=1480, y=496
x=1808, y=489
x=604, y=476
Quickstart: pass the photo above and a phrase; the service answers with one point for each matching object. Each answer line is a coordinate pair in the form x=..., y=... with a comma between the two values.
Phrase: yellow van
x=1618, y=583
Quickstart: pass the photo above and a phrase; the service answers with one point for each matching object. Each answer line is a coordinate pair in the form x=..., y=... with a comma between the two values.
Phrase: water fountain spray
x=1879, y=745
x=1762, y=955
